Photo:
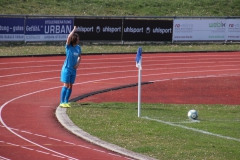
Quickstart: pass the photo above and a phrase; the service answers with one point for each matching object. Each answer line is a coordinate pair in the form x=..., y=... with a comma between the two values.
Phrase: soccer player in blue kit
x=69, y=68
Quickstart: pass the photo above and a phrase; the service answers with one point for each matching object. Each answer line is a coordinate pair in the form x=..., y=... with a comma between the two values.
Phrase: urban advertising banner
x=147, y=30
x=11, y=29
x=45, y=29
x=199, y=30
x=99, y=29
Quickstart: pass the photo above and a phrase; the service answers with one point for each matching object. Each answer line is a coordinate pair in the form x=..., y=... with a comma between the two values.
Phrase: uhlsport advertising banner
x=199, y=30
x=45, y=29
x=147, y=30
x=233, y=30
x=11, y=29
x=99, y=29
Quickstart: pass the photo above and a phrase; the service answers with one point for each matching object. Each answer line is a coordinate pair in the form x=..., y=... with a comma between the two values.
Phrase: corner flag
x=139, y=58
x=139, y=66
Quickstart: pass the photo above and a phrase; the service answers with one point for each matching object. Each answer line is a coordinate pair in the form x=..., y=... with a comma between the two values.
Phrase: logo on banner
x=234, y=25
x=133, y=30
x=98, y=29
x=185, y=27
x=148, y=30
x=217, y=24
x=162, y=31
x=33, y=28
x=112, y=29
x=85, y=29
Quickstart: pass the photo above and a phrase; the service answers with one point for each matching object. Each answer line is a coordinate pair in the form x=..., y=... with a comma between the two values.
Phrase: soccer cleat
x=64, y=105
x=67, y=105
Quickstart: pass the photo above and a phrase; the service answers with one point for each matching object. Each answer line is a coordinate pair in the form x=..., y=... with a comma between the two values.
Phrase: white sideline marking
x=193, y=129
x=190, y=121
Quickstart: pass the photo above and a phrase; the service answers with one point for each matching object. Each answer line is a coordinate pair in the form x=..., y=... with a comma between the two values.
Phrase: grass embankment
x=122, y=7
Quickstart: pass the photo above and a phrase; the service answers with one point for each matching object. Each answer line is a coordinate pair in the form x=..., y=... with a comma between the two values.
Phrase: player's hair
x=74, y=39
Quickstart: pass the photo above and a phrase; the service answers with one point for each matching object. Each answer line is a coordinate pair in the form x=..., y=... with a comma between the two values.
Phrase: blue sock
x=63, y=94
x=68, y=93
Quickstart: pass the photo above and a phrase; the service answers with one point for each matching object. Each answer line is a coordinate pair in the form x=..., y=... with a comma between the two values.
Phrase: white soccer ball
x=193, y=114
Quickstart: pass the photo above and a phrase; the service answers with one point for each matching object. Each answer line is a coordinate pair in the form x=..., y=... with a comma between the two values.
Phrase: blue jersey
x=72, y=54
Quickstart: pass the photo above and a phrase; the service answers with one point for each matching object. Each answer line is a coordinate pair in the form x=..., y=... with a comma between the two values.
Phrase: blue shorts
x=67, y=76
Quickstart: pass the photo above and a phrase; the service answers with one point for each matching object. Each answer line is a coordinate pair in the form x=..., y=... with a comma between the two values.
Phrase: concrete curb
x=69, y=125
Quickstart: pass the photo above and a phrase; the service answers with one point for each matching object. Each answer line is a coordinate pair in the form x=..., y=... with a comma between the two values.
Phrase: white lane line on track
x=46, y=106
x=193, y=129
x=84, y=146
x=19, y=74
x=125, y=72
x=39, y=135
x=31, y=67
x=26, y=132
x=197, y=77
x=55, y=139
x=69, y=143
x=145, y=61
x=45, y=61
x=12, y=144
x=99, y=150
x=30, y=149
x=114, y=154
x=121, y=66
x=11, y=130
x=57, y=156
x=42, y=152
x=3, y=123
x=58, y=141
x=3, y=158
x=27, y=148
x=152, y=56
x=28, y=82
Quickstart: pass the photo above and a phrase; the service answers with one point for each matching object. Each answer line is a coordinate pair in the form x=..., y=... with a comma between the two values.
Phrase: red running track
x=30, y=89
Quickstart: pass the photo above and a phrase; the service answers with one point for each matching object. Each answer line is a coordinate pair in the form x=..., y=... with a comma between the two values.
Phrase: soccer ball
x=193, y=114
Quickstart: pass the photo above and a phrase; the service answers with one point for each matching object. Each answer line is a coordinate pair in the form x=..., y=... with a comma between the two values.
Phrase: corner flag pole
x=139, y=66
